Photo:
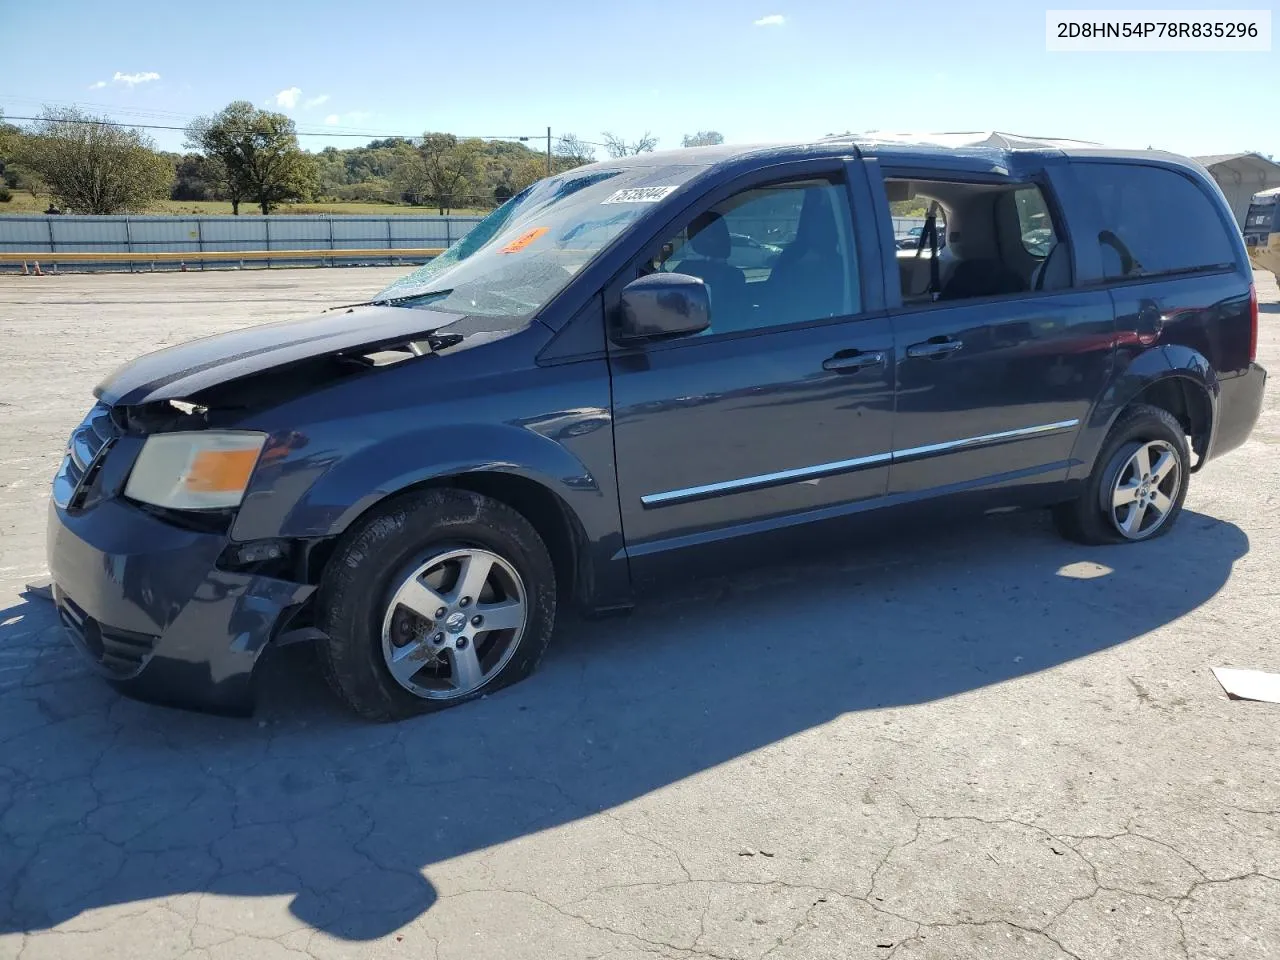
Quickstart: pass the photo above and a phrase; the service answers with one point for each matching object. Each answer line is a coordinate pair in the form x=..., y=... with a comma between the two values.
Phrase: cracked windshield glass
x=520, y=256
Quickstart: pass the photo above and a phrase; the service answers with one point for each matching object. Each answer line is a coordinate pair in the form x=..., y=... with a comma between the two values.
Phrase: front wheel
x=1138, y=484
x=432, y=600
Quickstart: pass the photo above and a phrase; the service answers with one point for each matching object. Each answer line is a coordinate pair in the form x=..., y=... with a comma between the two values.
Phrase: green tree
x=90, y=165
x=196, y=177
x=446, y=169
x=9, y=135
x=507, y=169
x=257, y=155
x=703, y=138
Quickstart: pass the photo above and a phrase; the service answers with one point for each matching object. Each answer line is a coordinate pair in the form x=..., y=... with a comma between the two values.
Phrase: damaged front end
x=148, y=578
x=160, y=600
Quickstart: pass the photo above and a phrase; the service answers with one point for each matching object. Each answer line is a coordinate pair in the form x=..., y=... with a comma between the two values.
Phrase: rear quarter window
x=1155, y=221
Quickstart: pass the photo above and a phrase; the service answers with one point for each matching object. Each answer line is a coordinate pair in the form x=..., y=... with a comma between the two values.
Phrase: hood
x=177, y=373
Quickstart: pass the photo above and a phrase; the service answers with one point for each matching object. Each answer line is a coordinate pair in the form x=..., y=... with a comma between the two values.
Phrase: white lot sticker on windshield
x=639, y=195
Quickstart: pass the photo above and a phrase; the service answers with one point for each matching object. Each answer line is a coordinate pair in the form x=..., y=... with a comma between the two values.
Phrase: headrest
x=817, y=228
x=1055, y=272
x=709, y=236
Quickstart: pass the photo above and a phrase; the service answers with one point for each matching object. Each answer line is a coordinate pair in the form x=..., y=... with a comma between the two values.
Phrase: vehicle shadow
x=116, y=802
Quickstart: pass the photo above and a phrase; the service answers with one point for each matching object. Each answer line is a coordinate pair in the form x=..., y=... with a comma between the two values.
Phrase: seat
x=981, y=277
x=1055, y=272
x=727, y=285
x=808, y=279
x=913, y=272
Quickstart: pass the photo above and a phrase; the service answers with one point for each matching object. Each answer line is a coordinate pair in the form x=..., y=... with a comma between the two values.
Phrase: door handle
x=935, y=348
x=851, y=361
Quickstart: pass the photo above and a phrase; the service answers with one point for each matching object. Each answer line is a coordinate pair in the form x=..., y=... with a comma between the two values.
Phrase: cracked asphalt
x=976, y=742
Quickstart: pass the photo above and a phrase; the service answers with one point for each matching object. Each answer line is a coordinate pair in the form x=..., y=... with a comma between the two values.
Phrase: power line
x=342, y=131
x=338, y=131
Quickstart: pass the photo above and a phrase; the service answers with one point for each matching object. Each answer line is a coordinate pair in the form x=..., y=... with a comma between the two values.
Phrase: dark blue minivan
x=603, y=385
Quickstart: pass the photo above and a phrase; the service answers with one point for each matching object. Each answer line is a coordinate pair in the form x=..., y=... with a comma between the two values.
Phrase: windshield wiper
x=397, y=301
x=415, y=298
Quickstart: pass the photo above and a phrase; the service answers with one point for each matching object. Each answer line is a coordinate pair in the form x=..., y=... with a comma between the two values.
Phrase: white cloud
x=772, y=20
x=133, y=79
x=288, y=98
x=98, y=86
x=332, y=119
x=316, y=101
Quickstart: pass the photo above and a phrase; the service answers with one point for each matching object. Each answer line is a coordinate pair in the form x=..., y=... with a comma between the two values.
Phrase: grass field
x=24, y=203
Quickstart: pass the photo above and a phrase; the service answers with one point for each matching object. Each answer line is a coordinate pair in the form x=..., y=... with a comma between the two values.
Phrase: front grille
x=120, y=653
x=88, y=441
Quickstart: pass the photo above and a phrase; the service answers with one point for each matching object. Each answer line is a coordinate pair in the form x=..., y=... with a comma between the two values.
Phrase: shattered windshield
x=525, y=252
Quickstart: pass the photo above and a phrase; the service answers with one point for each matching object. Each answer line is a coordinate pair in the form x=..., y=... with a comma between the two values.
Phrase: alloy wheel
x=1145, y=490
x=453, y=623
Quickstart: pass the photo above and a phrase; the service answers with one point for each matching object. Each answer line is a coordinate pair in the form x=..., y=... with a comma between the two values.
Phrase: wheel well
x=1189, y=404
x=549, y=515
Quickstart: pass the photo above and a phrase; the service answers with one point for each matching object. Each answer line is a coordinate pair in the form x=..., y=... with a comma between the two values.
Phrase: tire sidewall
x=374, y=558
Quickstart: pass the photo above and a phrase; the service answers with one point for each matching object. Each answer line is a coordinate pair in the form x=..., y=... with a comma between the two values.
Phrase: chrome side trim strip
x=844, y=466
x=764, y=480
x=929, y=449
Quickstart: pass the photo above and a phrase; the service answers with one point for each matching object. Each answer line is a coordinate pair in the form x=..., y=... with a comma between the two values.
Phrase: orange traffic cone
x=37, y=272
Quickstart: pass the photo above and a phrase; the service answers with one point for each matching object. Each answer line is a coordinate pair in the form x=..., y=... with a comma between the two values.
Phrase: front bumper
x=1239, y=404
x=145, y=601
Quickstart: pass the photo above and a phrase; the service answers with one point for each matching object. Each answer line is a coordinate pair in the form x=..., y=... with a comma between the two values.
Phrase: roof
x=985, y=152
x=1214, y=159
x=1245, y=169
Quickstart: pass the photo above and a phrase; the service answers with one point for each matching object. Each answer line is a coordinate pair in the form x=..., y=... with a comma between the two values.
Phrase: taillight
x=1253, y=322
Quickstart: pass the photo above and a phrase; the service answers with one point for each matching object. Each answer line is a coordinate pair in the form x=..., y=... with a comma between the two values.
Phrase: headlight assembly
x=195, y=471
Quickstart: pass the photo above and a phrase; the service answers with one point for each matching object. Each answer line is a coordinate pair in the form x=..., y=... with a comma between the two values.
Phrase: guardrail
x=132, y=243
x=29, y=260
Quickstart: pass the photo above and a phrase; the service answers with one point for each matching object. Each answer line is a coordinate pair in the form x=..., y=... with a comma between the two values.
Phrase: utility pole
x=548, y=151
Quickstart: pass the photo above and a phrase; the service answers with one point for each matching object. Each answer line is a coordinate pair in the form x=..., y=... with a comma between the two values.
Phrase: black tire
x=1087, y=519
x=371, y=559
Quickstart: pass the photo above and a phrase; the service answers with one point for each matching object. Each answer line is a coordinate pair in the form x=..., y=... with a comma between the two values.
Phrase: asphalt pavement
x=970, y=742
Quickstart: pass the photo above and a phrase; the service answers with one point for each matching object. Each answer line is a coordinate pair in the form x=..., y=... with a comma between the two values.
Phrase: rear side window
x=1156, y=221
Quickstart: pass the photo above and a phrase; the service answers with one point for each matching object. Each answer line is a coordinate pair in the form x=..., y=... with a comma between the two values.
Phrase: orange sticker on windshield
x=522, y=241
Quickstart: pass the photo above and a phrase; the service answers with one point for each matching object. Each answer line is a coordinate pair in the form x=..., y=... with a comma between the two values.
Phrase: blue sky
x=752, y=69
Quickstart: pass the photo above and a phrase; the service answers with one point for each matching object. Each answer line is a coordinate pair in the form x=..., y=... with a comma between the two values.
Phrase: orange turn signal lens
x=220, y=471
x=200, y=470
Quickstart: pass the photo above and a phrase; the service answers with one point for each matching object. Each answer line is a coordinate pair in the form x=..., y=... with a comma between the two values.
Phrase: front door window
x=771, y=255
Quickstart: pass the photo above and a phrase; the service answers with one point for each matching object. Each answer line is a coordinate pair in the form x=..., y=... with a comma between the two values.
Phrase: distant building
x=976, y=138
x=1241, y=175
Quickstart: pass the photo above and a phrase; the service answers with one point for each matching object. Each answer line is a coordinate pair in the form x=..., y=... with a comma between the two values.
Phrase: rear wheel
x=433, y=600
x=1138, y=484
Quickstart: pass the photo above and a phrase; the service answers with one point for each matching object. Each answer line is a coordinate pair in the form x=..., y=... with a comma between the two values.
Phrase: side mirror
x=661, y=306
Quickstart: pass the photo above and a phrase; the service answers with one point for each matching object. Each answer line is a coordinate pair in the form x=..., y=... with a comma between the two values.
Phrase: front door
x=783, y=407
